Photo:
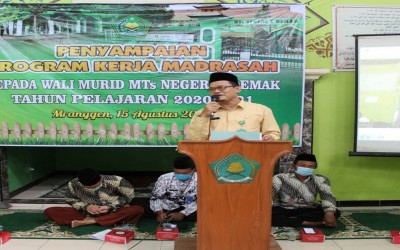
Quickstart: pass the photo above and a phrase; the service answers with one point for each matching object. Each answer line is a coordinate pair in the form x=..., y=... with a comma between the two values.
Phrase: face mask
x=96, y=188
x=183, y=177
x=304, y=171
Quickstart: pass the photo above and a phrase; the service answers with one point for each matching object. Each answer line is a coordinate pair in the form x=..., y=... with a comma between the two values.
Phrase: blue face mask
x=304, y=171
x=183, y=177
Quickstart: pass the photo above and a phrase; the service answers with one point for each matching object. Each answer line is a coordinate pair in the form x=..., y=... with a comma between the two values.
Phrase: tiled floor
x=44, y=187
x=44, y=244
x=54, y=244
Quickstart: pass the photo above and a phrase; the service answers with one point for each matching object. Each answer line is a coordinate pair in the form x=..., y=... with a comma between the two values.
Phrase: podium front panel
x=234, y=203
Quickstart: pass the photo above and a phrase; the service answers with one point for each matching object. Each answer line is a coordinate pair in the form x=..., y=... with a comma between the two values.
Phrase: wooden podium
x=234, y=192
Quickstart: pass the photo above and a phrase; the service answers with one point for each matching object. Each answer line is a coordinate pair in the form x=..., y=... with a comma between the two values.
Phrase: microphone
x=214, y=98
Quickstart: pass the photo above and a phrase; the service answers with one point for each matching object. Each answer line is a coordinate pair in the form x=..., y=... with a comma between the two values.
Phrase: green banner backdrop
x=129, y=74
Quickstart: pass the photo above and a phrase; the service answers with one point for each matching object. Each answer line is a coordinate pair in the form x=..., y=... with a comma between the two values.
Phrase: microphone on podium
x=214, y=98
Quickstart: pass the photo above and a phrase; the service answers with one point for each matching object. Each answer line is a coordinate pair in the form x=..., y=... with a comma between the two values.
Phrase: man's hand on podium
x=268, y=138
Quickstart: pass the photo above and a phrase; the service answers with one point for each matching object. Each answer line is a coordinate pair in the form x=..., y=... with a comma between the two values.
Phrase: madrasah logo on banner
x=132, y=26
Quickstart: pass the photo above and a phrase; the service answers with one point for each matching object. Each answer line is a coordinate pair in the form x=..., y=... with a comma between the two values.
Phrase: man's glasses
x=219, y=88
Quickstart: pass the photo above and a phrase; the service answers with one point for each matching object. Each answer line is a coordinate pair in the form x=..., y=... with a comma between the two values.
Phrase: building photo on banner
x=134, y=75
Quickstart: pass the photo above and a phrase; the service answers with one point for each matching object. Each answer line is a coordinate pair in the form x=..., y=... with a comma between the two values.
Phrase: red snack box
x=167, y=233
x=395, y=236
x=317, y=237
x=119, y=236
x=5, y=236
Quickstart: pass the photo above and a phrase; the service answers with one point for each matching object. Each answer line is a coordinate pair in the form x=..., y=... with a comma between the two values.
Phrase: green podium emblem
x=235, y=168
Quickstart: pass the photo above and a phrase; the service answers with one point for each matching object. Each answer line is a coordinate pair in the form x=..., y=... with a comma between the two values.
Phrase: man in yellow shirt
x=228, y=112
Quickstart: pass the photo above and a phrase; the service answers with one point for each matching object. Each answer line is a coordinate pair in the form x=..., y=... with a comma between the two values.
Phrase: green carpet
x=356, y=224
x=353, y=224
x=34, y=224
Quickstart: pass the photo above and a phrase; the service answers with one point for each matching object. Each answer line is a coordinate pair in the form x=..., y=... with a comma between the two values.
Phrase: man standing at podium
x=228, y=112
x=294, y=196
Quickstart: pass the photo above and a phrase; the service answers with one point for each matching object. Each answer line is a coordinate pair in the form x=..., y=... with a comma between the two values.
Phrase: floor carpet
x=353, y=224
x=356, y=224
x=34, y=224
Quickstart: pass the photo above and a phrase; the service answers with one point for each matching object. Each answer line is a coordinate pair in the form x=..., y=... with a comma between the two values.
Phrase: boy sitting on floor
x=294, y=196
x=95, y=198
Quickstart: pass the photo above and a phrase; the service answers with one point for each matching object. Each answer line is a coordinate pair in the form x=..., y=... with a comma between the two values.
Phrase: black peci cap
x=305, y=157
x=88, y=177
x=183, y=162
x=223, y=76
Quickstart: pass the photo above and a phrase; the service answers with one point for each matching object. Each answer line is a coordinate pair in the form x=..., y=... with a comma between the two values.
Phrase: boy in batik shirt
x=96, y=199
x=294, y=196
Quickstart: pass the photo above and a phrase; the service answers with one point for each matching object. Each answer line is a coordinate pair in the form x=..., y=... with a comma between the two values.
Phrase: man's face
x=183, y=171
x=224, y=89
x=306, y=164
x=183, y=174
x=95, y=186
